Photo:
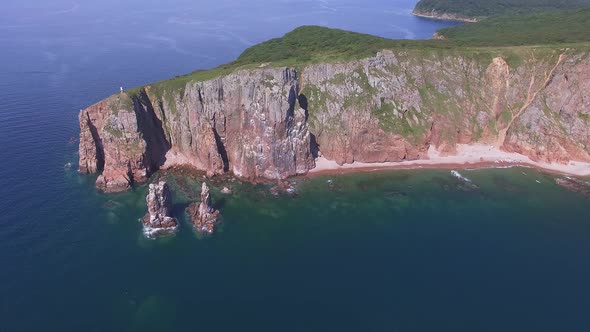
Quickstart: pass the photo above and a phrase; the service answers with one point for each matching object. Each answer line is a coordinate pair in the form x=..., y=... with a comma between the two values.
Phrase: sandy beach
x=467, y=156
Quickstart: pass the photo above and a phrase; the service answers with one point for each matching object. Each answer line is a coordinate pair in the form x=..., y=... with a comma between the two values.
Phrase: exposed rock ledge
x=389, y=108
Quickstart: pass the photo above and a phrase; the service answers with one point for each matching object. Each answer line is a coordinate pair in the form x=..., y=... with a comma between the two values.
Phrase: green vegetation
x=317, y=101
x=533, y=29
x=399, y=121
x=507, y=37
x=115, y=132
x=119, y=102
x=314, y=44
x=486, y=8
x=304, y=45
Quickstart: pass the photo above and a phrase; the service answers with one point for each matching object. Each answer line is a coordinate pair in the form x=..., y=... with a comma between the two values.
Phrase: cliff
x=392, y=107
x=247, y=123
x=270, y=122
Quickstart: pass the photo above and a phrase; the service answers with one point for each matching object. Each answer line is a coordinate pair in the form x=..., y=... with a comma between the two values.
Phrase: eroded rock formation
x=262, y=124
x=248, y=123
x=396, y=105
x=159, y=218
x=203, y=215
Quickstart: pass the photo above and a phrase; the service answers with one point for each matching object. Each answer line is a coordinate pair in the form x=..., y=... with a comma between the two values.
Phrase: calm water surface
x=389, y=251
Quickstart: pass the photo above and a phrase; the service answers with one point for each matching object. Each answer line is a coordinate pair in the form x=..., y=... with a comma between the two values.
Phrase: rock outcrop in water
x=159, y=219
x=203, y=215
x=269, y=123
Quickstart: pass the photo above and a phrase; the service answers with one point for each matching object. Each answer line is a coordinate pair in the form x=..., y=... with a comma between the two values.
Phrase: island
x=320, y=98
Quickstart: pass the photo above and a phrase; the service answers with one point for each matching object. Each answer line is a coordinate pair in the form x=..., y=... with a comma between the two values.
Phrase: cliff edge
x=248, y=123
x=271, y=121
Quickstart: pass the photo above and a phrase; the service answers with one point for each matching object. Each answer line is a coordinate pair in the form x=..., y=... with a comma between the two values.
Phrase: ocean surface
x=387, y=251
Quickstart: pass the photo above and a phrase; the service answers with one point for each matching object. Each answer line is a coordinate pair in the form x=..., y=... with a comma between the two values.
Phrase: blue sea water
x=388, y=251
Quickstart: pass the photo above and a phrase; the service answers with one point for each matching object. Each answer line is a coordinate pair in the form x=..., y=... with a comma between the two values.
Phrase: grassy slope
x=486, y=8
x=312, y=44
x=534, y=29
x=304, y=45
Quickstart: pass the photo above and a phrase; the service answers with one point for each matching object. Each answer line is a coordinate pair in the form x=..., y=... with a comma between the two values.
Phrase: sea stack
x=203, y=215
x=158, y=220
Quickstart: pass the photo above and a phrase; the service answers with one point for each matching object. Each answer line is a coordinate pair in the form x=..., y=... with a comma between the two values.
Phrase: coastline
x=446, y=17
x=467, y=157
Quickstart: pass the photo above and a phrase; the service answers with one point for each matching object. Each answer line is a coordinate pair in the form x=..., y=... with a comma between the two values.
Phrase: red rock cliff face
x=553, y=125
x=391, y=107
x=394, y=106
x=248, y=123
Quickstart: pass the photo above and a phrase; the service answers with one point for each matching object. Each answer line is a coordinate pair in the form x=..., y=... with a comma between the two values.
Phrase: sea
x=397, y=251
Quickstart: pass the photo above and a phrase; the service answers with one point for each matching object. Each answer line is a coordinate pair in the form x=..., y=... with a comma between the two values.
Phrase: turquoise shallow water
x=389, y=251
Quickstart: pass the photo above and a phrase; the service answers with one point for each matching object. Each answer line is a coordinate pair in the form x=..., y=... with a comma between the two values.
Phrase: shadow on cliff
x=153, y=132
x=97, y=145
x=292, y=100
x=314, y=147
x=302, y=99
x=221, y=149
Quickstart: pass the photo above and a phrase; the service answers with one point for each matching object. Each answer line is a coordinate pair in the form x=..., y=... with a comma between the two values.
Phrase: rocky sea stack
x=203, y=215
x=158, y=220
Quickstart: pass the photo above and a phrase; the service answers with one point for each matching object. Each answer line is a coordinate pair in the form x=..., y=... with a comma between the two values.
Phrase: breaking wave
x=460, y=177
x=152, y=233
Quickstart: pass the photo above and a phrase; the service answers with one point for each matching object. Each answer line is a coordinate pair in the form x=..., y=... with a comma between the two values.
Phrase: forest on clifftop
x=486, y=8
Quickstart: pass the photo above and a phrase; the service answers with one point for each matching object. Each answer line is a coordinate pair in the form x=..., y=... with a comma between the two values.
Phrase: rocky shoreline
x=444, y=16
x=205, y=218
